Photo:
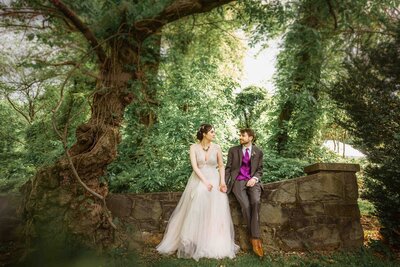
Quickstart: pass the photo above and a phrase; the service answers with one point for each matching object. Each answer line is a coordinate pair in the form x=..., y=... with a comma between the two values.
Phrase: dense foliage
x=369, y=93
x=196, y=84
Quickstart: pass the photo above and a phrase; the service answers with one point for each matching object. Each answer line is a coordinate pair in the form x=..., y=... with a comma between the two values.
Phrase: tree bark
x=283, y=134
x=149, y=66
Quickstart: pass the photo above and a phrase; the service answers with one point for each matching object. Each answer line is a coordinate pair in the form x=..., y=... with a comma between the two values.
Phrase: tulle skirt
x=201, y=224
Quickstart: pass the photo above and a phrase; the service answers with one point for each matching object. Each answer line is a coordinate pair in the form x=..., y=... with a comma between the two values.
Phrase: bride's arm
x=222, y=184
x=196, y=169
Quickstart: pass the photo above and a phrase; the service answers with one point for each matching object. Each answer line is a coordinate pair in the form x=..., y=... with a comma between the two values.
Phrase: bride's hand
x=209, y=186
x=223, y=188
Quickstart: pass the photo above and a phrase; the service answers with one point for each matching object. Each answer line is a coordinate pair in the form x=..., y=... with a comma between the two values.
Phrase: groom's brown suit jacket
x=235, y=155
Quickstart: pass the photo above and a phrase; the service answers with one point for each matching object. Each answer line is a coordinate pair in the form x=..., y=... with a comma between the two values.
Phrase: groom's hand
x=251, y=182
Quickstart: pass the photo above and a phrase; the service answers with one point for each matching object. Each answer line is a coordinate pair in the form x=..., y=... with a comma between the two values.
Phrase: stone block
x=300, y=222
x=237, y=216
x=338, y=210
x=147, y=210
x=321, y=235
x=324, y=219
x=313, y=209
x=285, y=193
x=351, y=187
x=167, y=209
x=356, y=232
x=331, y=167
x=119, y=205
x=351, y=233
x=164, y=196
x=272, y=214
x=149, y=225
x=321, y=187
x=314, y=237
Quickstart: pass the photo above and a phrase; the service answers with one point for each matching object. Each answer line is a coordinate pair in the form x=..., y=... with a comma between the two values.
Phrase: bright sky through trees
x=259, y=66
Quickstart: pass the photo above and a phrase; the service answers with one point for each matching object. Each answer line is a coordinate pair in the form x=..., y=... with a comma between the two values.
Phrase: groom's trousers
x=249, y=200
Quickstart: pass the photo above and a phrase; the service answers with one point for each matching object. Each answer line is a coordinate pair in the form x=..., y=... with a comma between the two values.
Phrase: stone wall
x=315, y=212
x=10, y=228
x=9, y=218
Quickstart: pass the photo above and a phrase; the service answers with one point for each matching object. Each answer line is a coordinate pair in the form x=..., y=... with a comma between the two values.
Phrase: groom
x=243, y=172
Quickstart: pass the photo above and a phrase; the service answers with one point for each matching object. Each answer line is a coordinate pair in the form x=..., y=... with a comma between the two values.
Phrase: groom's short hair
x=250, y=132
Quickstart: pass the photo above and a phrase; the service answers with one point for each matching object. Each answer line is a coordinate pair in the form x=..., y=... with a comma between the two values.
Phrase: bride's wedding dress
x=201, y=224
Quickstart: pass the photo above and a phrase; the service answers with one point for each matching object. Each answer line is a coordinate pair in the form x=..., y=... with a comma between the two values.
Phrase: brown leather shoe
x=257, y=247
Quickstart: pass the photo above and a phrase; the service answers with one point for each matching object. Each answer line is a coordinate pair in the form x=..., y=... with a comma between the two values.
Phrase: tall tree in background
x=250, y=104
x=123, y=38
x=299, y=79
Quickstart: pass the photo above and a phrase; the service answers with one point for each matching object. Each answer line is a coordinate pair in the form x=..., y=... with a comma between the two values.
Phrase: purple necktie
x=246, y=155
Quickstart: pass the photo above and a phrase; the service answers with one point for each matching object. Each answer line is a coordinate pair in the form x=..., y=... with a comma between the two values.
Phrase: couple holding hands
x=201, y=224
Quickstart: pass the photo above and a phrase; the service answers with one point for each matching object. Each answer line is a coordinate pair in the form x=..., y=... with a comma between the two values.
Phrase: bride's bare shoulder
x=216, y=146
x=194, y=146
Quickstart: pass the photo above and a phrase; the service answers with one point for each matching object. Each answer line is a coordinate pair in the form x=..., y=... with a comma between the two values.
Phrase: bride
x=201, y=224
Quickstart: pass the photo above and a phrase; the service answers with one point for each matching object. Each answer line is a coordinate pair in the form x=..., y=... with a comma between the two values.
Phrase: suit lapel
x=254, y=160
x=240, y=152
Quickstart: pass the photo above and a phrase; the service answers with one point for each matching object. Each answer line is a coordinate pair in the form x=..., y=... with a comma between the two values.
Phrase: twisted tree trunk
x=68, y=197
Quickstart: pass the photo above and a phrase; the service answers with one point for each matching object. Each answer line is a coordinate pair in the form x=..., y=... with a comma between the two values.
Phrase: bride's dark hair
x=204, y=129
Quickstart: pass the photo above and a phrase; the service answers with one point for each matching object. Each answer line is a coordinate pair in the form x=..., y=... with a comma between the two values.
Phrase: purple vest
x=245, y=168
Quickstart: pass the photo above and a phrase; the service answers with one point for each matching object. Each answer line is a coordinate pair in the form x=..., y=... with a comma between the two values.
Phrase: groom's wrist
x=255, y=178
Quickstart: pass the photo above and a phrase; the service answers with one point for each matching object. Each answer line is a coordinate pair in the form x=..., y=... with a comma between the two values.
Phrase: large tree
x=123, y=42
x=299, y=79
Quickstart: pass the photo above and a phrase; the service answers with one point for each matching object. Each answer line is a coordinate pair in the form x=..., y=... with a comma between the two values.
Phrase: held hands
x=251, y=182
x=223, y=188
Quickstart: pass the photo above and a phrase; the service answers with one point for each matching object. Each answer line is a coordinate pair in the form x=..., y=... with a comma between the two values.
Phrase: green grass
x=366, y=207
x=364, y=257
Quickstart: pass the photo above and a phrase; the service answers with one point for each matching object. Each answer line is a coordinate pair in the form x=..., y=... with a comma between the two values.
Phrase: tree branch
x=24, y=26
x=71, y=63
x=177, y=10
x=84, y=29
x=332, y=13
x=18, y=110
